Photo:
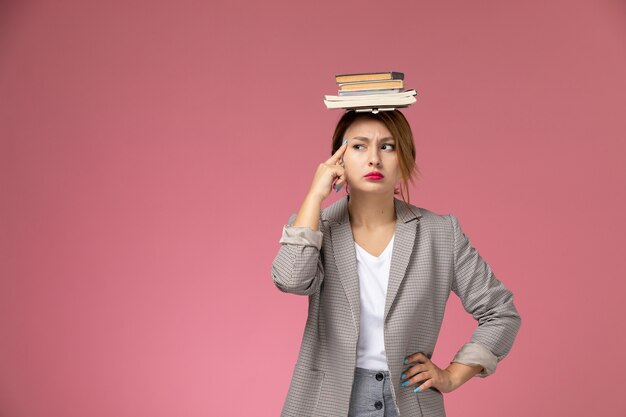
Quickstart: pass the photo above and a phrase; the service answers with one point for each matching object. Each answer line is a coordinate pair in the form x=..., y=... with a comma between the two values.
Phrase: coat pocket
x=304, y=392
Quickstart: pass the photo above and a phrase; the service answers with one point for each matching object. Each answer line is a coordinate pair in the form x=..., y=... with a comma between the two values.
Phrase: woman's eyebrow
x=363, y=138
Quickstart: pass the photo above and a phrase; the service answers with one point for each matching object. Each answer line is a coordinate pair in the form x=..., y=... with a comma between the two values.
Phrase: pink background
x=151, y=152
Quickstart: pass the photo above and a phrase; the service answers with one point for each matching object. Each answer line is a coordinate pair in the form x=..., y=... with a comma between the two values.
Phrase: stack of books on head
x=371, y=91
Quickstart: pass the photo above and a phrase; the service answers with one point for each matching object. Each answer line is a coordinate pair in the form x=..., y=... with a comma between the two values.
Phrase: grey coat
x=431, y=256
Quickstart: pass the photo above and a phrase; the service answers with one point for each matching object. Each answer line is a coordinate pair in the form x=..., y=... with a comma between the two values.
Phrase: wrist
x=454, y=378
x=314, y=198
x=461, y=373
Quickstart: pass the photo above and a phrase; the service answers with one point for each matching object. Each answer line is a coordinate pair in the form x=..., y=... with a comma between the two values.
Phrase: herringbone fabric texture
x=431, y=257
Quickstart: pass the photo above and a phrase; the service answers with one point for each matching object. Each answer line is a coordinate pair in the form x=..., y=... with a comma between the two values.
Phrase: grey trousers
x=371, y=394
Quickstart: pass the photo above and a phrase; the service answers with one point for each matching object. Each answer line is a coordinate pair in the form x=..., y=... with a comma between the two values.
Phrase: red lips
x=374, y=174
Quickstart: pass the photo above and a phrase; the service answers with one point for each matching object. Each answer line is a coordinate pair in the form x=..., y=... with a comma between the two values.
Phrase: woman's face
x=371, y=148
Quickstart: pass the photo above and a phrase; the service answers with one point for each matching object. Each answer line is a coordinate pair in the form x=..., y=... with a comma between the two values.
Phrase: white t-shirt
x=373, y=279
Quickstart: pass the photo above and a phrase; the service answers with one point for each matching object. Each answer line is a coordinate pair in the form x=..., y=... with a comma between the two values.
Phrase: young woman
x=378, y=272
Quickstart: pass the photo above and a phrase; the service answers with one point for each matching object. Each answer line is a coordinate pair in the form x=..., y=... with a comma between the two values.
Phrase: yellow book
x=371, y=85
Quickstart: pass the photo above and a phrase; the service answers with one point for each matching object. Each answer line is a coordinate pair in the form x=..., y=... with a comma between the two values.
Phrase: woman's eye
x=392, y=147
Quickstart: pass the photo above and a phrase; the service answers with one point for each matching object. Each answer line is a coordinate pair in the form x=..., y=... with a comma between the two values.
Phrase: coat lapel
x=345, y=253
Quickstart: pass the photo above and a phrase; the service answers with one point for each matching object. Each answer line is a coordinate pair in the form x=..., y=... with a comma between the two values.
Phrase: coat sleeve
x=298, y=267
x=490, y=303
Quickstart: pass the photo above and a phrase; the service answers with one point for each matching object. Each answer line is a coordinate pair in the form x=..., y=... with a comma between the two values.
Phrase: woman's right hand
x=329, y=171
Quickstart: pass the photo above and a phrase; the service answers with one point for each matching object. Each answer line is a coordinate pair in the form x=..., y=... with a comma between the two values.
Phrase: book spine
x=371, y=85
x=369, y=76
x=365, y=92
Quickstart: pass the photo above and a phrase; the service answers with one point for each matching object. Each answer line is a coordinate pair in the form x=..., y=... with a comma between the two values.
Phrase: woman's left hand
x=423, y=373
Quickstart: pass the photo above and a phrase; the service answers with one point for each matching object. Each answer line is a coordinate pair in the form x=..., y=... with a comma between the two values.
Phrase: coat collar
x=338, y=211
x=345, y=253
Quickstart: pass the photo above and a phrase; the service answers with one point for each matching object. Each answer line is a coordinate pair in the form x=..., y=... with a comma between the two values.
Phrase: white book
x=385, y=96
x=372, y=101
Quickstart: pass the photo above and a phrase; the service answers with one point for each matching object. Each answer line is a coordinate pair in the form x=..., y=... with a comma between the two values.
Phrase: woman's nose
x=374, y=160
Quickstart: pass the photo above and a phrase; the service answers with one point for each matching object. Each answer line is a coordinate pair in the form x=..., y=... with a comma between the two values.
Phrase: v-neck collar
x=382, y=254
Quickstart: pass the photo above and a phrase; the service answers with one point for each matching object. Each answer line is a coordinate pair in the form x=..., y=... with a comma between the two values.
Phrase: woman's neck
x=371, y=210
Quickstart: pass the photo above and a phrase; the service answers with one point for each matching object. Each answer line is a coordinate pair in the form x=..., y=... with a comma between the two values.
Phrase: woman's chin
x=373, y=189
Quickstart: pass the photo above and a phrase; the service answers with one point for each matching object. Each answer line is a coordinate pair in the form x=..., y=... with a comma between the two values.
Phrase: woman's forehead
x=368, y=128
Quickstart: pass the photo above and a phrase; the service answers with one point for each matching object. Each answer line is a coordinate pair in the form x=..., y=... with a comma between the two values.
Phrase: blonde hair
x=400, y=129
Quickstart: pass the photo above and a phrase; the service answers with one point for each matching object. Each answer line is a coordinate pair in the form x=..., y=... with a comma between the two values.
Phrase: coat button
x=379, y=376
x=378, y=405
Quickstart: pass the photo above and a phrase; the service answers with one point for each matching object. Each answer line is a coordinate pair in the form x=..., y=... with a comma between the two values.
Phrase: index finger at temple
x=337, y=155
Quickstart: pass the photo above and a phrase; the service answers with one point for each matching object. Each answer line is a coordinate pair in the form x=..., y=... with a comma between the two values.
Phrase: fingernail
x=338, y=187
x=416, y=389
x=403, y=376
x=344, y=142
x=406, y=360
x=405, y=383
